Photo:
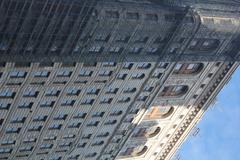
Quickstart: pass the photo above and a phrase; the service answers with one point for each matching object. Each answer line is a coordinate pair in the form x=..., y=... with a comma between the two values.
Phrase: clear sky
x=219, y=136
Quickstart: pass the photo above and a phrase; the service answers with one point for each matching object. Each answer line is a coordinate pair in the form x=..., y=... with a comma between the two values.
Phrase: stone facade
x=111, y=79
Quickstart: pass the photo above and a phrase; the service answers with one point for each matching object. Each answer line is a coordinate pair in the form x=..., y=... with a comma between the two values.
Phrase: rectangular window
x=67, y=102
x=112, y=14
x=74, y=125
x=46, y=146
x=29, y=140
x=60, y=117
x=105, y=73
x=52, y=92
x=106, y=100
x=132, y=15
x=87, y=101
x=151, y=17
x=8, y=142
x=93, y=123
x=30, y=93
x=121, y=76
x=25, y=149
x=18, y=74
x=41, y=74
x=4, y=105
x=73, y=91
x=47, y=103
x=35, y=128
x=5, y=150
x=115, y=49
x=93, y=90
x=85, y=73
x=98, y=114
x=55, y=126
x=40, y=118
x=25, y=104
x=12, y=130
x=18, y=119
x=64, y=73
x=95, y=49
x=7, y=94
x=80, y=115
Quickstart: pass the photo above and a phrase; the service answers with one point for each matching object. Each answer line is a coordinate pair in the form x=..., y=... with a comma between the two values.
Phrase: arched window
x=134, y=151
x=158, y=112
x=174, y=90
x=147, y=132
x=188, y=68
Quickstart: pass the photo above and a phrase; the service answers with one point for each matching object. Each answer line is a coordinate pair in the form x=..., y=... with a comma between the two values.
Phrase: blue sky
x=219, y=136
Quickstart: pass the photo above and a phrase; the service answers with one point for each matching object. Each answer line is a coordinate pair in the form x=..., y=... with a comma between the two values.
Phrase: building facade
x=112, y=79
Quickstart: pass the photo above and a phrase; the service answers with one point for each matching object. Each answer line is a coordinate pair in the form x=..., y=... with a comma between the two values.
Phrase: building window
x=98, y=114
x=65, y=144
x=98, y=143
x=40, y=118
x=5, y=150
x=110, y=122
x=188, y=68
x=135, y=50
x=18, y=119
x=132, y=15
x=122, y=38
x=52, y=92
x=134, y=151
x=157, y=74
x=67, y=102
x=144, y=65
x=55, y=127
x=87, y=101
x=41, y=74
x=81, y=145
x=152, y=50
x=158, y=112
x=111, y=90
x=60, y=117
x=74, y=125
x=121, y=76
x=64, y=73
x=138, y=75
x=202, y=44
x=95, y=49
x=174, y=90
x=47, y=103
x=91, y=155
x=25, y=104
x=115, y=49
x=163, y=65
x=124, y=100
x=7, y=94
x=112, y=14
x=109, y=64
x=151, y=17
x=86, y=136
x=26, y=149
x=13, y=130
x=8, y=142
x=35, y=128
x=115, y=113
x=106, y=100
x=73, y=91
x=85, y=73
x=29, y=140
x=101, y=37
x=130, y=90
x=30, y=93
x=46, y=146
x=18, y=74
x=128, y=65
x=69, y=136
x=80, y=115
x=4, y=105
x=50, y=138
x=93, y=123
